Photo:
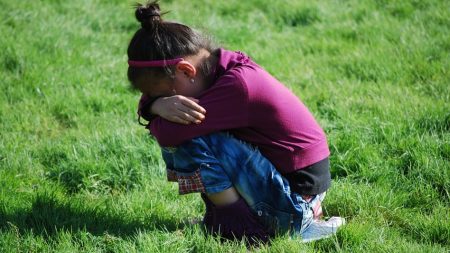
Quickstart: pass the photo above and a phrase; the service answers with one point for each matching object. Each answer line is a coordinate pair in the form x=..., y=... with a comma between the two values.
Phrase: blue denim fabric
x=224, y=161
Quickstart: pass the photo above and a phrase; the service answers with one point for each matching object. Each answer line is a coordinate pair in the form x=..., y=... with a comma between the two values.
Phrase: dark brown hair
x=161, y=40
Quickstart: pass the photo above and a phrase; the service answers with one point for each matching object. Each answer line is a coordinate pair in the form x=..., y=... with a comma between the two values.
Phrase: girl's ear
x=187, y=68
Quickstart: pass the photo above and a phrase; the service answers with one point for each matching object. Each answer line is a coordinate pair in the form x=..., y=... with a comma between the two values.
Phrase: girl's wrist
x=152, y=105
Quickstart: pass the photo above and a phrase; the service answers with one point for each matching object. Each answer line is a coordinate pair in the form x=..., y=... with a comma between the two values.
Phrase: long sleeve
x=145, y=103
x=226, y=104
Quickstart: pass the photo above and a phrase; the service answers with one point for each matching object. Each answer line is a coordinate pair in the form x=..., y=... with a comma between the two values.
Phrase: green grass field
x=78, y=174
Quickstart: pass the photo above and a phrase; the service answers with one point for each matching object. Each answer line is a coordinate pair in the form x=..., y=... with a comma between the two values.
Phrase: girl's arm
x=178, y=109
x=226, y=104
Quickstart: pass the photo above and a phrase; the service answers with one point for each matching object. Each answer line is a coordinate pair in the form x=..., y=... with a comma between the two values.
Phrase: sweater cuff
x=144, y=109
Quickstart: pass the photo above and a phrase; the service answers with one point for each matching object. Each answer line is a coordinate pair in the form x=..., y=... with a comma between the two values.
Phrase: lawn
x=78, y=174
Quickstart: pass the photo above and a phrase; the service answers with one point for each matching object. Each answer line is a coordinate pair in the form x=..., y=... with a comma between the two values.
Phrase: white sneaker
x=319, y=229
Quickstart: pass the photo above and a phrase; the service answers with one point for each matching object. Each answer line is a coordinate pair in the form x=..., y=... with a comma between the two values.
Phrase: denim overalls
x=216, y=162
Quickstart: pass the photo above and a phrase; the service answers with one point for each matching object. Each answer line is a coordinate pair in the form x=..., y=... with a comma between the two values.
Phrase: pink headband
x=157, y=63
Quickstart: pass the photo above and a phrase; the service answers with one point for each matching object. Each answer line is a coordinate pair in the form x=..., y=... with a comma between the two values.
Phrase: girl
x=232, y=132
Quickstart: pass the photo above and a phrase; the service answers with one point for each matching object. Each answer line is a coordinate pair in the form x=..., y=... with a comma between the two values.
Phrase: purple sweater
x=248, y=102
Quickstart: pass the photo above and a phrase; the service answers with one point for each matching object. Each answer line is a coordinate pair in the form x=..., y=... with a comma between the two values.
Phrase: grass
x=77, y=174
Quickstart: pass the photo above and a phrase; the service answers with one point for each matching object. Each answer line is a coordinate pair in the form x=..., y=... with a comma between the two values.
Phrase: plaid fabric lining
x=171, y=176
x=187, y=184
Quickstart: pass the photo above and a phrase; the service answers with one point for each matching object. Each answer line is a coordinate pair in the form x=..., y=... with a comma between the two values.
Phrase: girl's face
x=184, y=83
x=156, y=88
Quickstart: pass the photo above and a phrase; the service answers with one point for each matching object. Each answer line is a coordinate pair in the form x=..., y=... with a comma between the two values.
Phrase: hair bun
x=148, y=14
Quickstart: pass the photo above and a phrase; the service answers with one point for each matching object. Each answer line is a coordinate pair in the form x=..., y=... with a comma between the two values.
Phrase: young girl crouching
x=232, y=132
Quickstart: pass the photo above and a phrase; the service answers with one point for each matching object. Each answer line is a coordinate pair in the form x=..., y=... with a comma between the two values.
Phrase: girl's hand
x=179, y=109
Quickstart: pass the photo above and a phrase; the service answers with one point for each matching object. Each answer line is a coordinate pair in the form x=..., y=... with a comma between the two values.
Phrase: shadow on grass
x=47, y=217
